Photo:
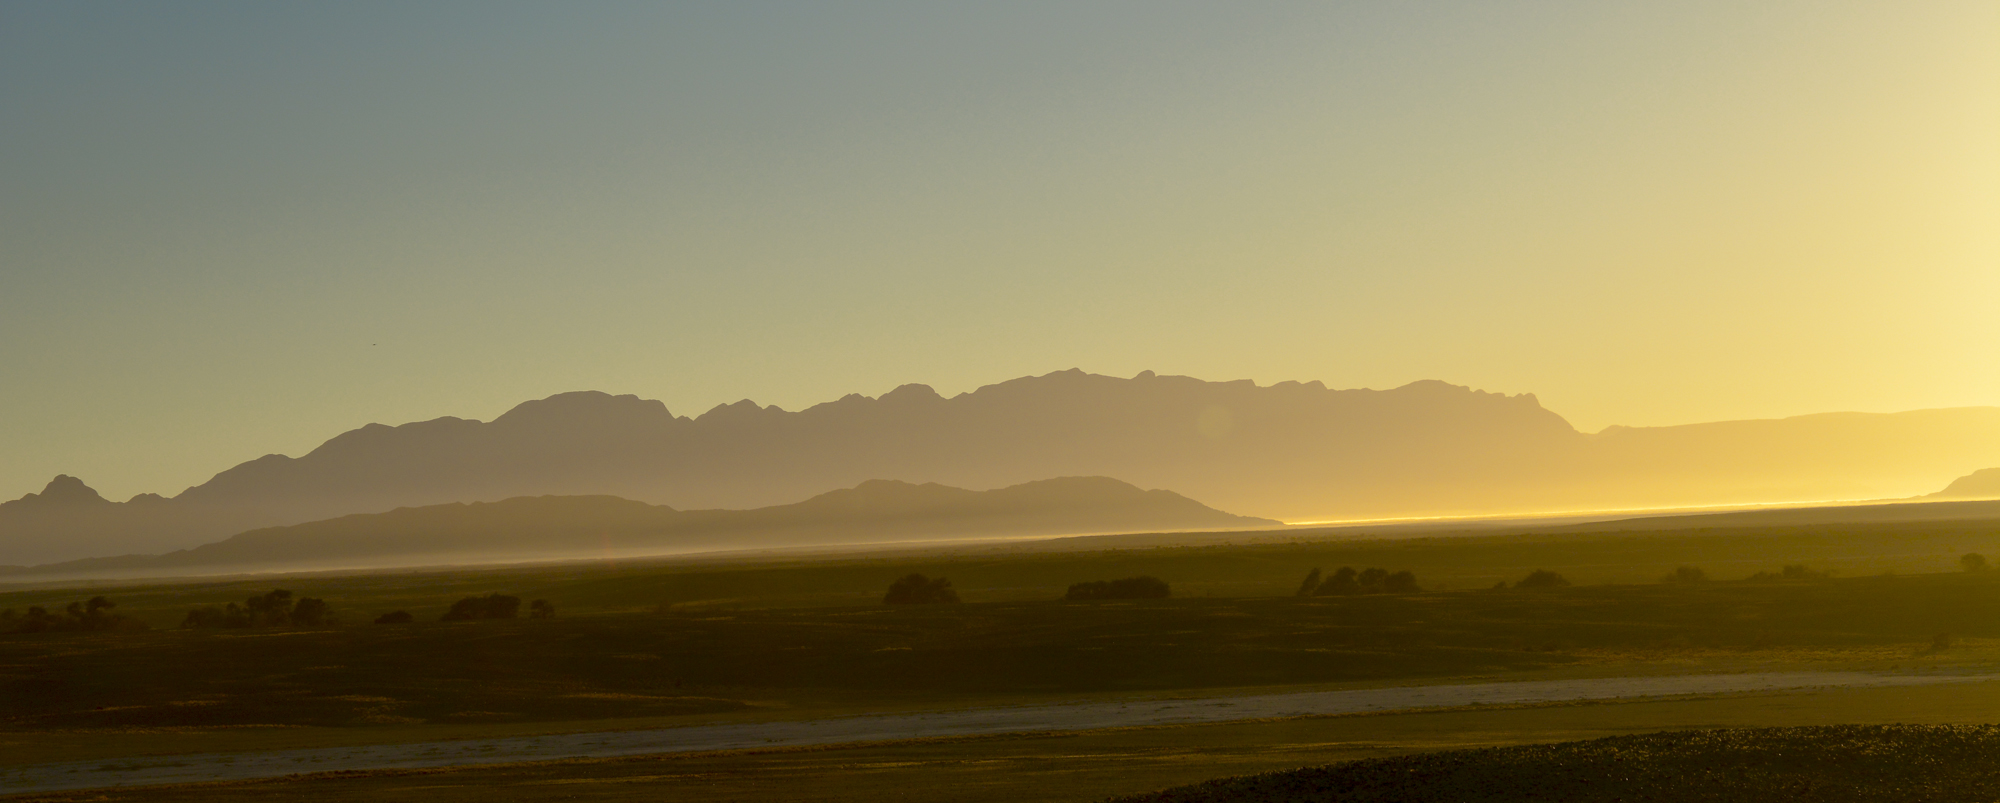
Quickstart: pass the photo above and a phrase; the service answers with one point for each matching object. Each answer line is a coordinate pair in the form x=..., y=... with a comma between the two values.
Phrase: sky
x=232, y=229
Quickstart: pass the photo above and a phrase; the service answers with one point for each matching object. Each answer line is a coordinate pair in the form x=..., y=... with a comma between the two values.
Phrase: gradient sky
x=228, y=229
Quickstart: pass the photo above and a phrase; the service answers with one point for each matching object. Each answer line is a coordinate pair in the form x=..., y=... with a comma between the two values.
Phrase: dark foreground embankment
x=1835, y=764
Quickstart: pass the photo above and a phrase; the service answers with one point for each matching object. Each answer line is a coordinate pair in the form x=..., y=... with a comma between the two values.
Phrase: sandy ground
x=1060, y=717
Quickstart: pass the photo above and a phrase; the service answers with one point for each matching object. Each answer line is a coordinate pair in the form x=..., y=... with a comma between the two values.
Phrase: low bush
x=1345, y=580
x=491, y=606
x=311, y=612
x=94, y=614
x=395, y=618
x=275, y=609
x=1796, y=571
x=916, y=589
x=1685, y=574
x=1542, y=578
x=1141, y=587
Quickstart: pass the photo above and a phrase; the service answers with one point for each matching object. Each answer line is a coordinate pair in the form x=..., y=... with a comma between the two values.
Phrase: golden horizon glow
x=235, y=231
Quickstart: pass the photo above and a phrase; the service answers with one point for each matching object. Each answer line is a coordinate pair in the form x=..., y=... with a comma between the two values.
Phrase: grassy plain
x=692, y=641
x=107, y=692
x=1266, y=565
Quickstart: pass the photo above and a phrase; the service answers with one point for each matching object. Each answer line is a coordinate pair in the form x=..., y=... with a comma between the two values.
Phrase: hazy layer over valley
x=571, y=527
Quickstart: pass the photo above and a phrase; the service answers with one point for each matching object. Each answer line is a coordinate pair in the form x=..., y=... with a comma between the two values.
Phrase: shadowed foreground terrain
x=613, y=666
x=108, y=695
x=1073, y=767
x=1833, y=764
x=700, y=639
x=652, y=645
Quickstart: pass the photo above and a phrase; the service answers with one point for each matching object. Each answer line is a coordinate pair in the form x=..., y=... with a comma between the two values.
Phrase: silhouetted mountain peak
x=65, y=490
x=564, y=408
x=911, y=394
x=742, y=410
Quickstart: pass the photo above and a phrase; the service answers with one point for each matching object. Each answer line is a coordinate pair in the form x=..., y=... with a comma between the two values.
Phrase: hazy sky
x=228, y=229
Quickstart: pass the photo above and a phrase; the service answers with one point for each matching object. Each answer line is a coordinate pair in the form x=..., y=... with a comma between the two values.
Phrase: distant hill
x=1981, y=484
x=1294, y=451
x=556, y=527
x=69, y=519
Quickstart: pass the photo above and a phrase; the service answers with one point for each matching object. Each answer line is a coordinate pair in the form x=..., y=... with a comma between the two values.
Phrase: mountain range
x=1293, y=451
x=556, y=527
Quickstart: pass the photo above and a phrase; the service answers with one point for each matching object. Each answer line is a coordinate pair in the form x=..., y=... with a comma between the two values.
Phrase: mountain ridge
x=857, y=428
x=1291, y=450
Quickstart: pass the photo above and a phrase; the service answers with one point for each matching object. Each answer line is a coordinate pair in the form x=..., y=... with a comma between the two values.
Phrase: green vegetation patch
x=1835, y=764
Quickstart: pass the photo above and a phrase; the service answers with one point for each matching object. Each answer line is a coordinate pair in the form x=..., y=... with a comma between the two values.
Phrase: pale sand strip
x=1061, y=717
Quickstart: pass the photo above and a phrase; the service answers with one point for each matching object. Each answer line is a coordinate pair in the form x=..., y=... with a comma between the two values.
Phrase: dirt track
x=1063, y=717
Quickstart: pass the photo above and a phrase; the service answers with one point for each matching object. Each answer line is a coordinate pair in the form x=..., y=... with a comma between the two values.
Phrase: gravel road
x=149, y=770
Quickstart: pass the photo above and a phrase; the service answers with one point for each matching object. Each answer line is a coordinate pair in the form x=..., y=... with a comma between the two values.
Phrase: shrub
x=1311, y=583
x=1141, y=587
x=395, y=618
x=916, y=589
x=1346, y=580
x=274, y=609
x=1685, y=574
x=1341, y=583
x=1542, y=578
x=491, y=606
x=1972, y=562
x=311, y=612
x=94, y=614
x=541, y=609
